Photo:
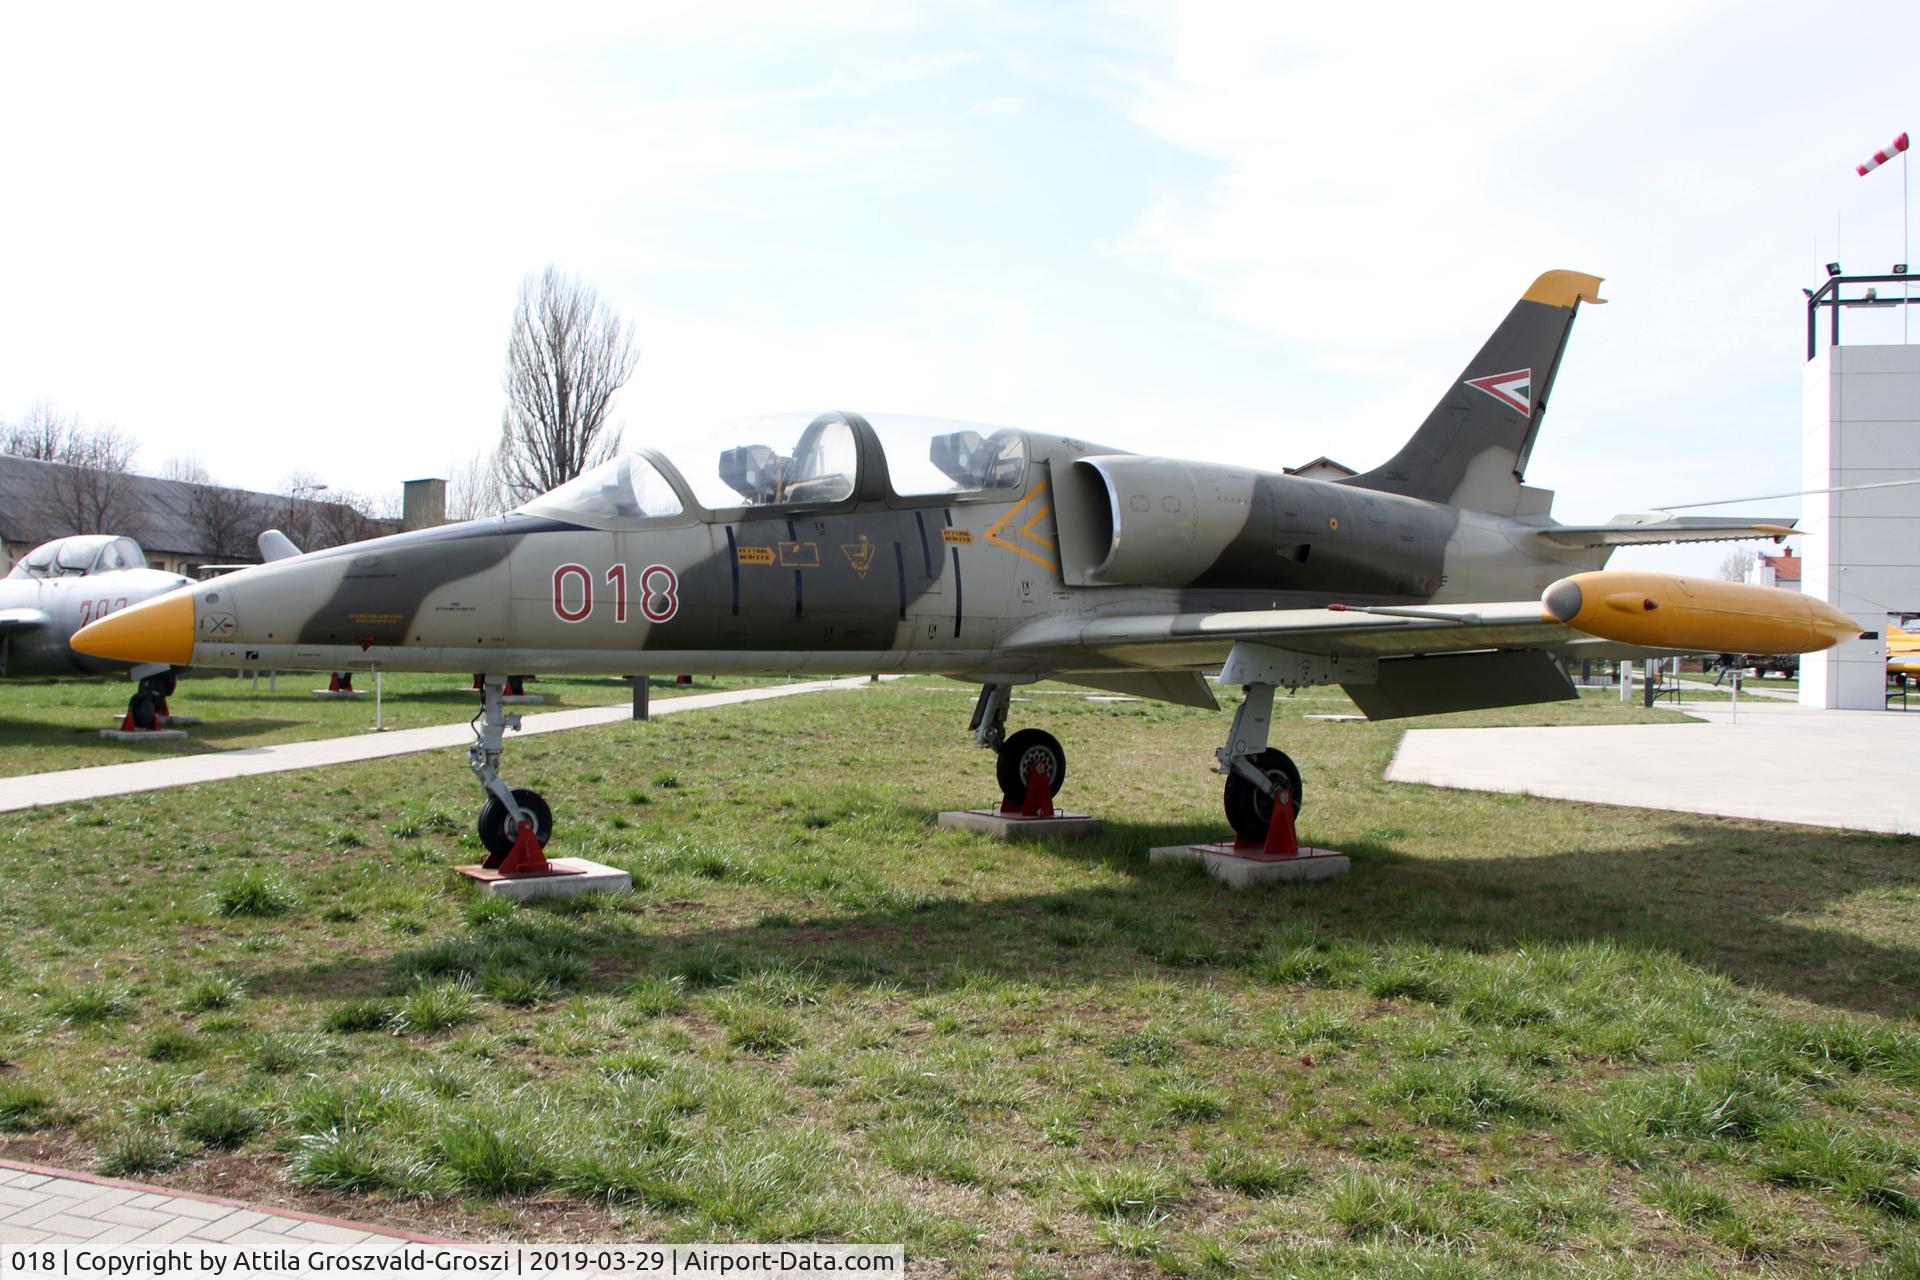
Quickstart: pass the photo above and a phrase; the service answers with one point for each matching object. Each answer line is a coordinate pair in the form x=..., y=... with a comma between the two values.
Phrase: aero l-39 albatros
x=61, y=586
x=1436, y=582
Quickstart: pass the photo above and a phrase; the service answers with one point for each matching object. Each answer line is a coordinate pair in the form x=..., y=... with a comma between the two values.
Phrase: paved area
x=68, y=785
x=50, y=1206
x=1776, y=761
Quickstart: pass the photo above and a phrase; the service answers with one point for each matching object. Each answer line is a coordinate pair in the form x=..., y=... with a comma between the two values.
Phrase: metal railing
x=1831, y=296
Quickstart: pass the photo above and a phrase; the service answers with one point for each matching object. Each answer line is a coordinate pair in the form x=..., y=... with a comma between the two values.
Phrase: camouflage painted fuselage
x=875, y=583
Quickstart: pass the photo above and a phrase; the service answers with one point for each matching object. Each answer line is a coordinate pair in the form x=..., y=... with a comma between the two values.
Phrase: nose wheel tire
x=144, y=708
x=1249, y=809
x=1021, y=754
x=498, y=830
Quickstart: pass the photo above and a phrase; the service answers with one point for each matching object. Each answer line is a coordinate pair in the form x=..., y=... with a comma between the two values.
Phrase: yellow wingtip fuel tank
x=1664, y=611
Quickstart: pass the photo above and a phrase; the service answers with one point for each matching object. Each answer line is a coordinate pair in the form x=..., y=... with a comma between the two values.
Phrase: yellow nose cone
x=156, y=630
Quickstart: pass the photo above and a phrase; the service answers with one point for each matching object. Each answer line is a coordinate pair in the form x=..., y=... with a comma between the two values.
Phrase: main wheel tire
x=498, y=830
x=1019, y=755
x=144, y=707
x=1249, y=809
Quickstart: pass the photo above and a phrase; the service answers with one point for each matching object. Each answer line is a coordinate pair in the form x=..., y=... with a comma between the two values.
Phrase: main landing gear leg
x=506, y=809
x=1020, y=754
x=1258, y=777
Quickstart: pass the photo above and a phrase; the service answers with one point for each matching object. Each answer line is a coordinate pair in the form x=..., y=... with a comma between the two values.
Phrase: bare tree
x=44, y=435
x=227, y=522
x=93, y=491
x=568, y=357
x=475, y=489
x=90, y=489
x=1738, y=564
x=344, y=517
x=187, y=468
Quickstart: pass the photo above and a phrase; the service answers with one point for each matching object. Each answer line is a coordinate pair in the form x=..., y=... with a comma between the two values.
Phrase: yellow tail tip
x=156, y=630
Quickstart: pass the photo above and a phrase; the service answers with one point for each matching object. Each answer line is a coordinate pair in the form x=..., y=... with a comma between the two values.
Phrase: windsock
x=1894, y=148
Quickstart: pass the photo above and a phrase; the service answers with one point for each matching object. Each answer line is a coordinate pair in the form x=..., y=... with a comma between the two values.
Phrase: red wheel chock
x=1281, y=841
x=526, y=858
x=1038, y=802
x=127, y=725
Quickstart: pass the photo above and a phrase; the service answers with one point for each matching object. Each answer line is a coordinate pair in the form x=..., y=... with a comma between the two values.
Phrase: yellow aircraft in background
x=1903, y=653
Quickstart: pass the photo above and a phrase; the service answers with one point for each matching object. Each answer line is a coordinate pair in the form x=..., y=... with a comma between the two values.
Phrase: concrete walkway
x=50, y=1206
x=36, y=789
x=1778, y=762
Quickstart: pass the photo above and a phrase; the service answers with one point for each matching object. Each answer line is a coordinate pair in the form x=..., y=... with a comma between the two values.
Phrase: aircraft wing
x=1419, y=659
x=1648, y=530
x=15, y=621
x=1199, y=639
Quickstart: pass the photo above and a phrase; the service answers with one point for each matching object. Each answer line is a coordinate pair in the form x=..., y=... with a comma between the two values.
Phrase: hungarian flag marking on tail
x=1514, y=390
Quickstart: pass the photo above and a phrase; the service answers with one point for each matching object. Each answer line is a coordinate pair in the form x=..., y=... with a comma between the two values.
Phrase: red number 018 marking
x=659, y=592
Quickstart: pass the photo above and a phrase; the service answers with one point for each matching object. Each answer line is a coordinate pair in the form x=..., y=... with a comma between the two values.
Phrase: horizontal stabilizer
x=1650, y=530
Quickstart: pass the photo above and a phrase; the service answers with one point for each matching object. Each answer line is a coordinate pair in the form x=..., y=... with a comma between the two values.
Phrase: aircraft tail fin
x=275, y=545
x=1472, y=449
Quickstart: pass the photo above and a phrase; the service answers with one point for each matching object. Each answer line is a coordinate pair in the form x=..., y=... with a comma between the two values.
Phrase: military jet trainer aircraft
x=59, y=587
x=1436, y=582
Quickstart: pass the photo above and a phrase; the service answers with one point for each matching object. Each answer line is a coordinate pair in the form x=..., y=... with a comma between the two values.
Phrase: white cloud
x=997, y=107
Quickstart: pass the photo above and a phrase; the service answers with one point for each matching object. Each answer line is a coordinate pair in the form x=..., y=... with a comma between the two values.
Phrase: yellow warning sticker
x=756, y=555
x=957, y=537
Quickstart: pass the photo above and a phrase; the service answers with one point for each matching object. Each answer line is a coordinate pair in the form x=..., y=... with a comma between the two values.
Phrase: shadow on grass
x=1709, y=895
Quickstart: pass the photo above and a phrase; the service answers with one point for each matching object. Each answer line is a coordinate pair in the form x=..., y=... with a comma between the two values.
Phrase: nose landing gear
x=1019, y=754
x=506, y=809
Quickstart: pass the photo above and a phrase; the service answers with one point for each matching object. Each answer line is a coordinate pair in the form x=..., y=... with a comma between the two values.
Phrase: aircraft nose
x=156, y=630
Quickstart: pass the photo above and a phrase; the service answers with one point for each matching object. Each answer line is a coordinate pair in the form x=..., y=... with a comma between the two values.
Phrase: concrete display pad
x=1012, y=826
x=143, y=735
x=1239, y=869
x=178, y=722
x=340, y=693
x=519, y=699
x=569, y=877
x=1774, y=762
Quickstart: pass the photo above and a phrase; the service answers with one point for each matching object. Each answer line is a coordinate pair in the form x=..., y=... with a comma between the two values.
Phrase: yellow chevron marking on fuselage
x=1026, y=530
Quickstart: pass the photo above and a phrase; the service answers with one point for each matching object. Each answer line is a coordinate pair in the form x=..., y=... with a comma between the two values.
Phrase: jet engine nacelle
x=1157, y=522
x=1662, y=611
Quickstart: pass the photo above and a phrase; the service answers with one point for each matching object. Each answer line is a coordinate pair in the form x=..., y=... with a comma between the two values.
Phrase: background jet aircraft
x=1903, y=653
x=1436, y=582
x=61, y=586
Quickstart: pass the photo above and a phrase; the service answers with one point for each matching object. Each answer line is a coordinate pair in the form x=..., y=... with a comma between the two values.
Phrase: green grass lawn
x=1523, y=1037
x=47, y=725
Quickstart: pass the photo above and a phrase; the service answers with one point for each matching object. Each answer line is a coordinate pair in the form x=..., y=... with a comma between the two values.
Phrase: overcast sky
x=288, y=237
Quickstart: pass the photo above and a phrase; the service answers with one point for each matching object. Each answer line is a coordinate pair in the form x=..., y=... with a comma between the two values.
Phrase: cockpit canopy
x=833, y=457
x=80, y=555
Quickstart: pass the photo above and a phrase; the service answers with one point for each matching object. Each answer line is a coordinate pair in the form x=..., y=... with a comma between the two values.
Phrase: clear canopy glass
x=627, y=487
x=80, y=555
x=795, y=461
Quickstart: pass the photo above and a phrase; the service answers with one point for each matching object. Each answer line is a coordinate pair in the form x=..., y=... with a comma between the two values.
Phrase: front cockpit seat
x=754, y=472
x=963, y=457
